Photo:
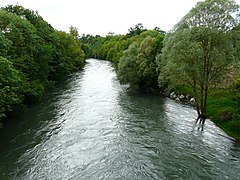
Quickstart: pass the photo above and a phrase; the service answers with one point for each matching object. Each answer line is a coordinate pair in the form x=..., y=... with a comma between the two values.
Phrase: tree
x=5, y=45
x=74, y=32
x=199, y=49
x=111, y=34
x=32, y=54
x=11, y=87
x=42, y=53
x=147, y=63
x=68, y=56
x=137, y=30
x=44, y=29
x=127, y=67
x=137, y=66
x=159, y=30
x=28, y=52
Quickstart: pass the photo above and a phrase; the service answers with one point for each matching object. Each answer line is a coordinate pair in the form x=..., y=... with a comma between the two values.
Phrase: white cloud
x=100, y=17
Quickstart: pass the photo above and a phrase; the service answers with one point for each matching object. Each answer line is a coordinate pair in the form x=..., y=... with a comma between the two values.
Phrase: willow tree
x=199, y=49
x=146, y=63
x=127, y=66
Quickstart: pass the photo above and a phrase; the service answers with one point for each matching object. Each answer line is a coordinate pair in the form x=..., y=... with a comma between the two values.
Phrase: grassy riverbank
x=223, y=109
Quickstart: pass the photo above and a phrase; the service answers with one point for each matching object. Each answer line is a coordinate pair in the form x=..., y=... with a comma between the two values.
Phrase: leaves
x=31, y=54
x=138, y=66
x=200, y=49
x=11, y=92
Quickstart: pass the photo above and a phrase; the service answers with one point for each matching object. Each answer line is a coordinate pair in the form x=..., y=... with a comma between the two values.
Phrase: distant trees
x=127, y=67
x=197, y=57
x=137, y=30
x=146, y=60
x=138, y=65
x=133, y=54
x=109, y=47
x=197, y=53
x=68, y=56
x=32, y=54
x=199, y=50
x=74, y=32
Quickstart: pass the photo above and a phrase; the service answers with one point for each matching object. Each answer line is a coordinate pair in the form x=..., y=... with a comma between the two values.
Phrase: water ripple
x=90, y=127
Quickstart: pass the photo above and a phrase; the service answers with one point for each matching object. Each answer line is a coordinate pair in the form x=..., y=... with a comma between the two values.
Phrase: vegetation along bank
x=33, y=55
x=199, y=57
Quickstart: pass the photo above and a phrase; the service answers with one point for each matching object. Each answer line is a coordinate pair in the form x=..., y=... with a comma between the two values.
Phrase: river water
x=91, y=127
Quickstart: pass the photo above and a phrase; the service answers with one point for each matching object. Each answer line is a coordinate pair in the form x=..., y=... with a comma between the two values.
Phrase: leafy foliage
x=138, y=66
x=128, y=64
x=200, y=48
x=137, y=30
x=133, y=54
x=200, y=51
x=11, y=87
x=74, y=32
x=68, y=57
x=32, y=54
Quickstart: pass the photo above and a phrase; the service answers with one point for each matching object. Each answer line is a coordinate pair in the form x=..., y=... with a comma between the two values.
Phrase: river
x=91, y=127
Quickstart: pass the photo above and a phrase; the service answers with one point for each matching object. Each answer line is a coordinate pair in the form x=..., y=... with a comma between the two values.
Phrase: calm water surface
x=91, y=127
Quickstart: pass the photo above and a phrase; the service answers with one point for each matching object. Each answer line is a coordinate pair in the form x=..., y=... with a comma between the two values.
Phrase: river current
x=91, y=127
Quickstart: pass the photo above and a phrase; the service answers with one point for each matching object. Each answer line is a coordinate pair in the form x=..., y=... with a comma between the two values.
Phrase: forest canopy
x=33, y=55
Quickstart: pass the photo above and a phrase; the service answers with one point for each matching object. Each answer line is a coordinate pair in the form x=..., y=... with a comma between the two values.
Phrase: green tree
x=24, y=49
x=5, y=45
x=68, y=56
x=199, y=50
x=32, y=54
x=138, y=64
x=11, y=87
x=147, y=63
x=127, y=68
x=137, y=30
x=42, y=53
x=74, y=32
x=44, y=29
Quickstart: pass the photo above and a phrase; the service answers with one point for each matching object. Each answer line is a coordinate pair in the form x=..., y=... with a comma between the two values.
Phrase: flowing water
x=91, y=127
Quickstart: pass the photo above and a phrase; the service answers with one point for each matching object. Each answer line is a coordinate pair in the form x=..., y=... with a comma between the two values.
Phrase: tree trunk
x=204, y=112
x=205, y=101
x=200, y=117
x=202, y=99
x=196, y=97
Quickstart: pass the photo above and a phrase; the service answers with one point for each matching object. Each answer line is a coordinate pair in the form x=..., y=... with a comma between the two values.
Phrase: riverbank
x=223, y=109
x=90, y=126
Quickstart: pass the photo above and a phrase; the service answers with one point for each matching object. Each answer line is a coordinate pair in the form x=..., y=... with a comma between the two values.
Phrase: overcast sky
x=103, y=16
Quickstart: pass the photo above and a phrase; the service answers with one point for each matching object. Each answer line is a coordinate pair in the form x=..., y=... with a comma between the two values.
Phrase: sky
x=99, y=17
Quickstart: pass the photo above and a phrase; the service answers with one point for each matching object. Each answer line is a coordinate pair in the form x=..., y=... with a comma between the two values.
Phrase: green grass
x=184, y=90
x=222, y=108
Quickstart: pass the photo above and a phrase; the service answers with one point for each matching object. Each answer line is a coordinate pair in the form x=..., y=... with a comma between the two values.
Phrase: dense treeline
x=200, y=57
x=132, y=54
x=33, y=55
x=202, y=51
